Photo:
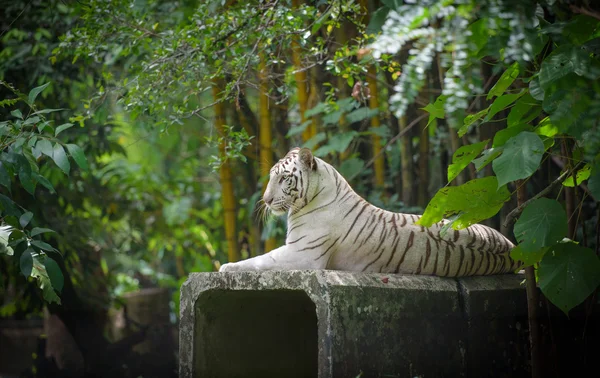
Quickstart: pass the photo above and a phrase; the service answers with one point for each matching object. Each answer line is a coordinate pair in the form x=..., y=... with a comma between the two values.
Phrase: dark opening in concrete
x=249, y=333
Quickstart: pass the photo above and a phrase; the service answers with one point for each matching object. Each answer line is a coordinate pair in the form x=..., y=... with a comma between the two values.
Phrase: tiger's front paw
x=229, y=267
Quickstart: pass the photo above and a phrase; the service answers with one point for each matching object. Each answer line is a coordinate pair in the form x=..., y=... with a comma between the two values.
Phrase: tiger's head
x=289, y=181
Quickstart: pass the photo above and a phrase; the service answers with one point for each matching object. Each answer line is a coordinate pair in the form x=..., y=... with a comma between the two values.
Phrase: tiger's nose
x=268, y=200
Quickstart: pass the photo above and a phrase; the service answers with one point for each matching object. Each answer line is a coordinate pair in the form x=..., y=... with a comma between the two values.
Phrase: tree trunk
x=406, y=153
x=423, y=197
x=533, y=301
x=302, y=83
x=379, y=162
x=264, y=135
x=227, y=192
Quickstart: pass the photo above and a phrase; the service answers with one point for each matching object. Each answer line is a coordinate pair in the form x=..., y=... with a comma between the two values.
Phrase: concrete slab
x=344, y=324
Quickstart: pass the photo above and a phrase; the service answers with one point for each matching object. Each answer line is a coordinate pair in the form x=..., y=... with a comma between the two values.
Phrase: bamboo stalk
x=227, y=192
x=302, y=83
x=264, y=135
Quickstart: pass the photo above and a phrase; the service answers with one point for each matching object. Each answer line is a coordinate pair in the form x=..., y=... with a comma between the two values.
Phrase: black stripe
x=313, y=247
x=355, y=219
x=408, y=245
x=427, y=252
x=327, y=250
x=297, y=240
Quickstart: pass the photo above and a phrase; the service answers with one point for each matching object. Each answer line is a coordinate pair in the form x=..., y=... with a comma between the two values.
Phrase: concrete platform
x=342, y=324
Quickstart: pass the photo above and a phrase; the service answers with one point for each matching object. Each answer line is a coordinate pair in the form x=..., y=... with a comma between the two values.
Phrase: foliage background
x=177, y=109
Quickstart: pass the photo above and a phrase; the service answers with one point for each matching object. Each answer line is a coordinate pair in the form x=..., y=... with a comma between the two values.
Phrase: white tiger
x=332, y=227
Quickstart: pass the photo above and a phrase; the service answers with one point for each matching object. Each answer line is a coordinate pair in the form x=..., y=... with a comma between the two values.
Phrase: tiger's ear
x=306, y=157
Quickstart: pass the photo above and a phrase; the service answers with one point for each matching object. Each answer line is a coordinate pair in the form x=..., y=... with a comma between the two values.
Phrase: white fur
x=332, y=227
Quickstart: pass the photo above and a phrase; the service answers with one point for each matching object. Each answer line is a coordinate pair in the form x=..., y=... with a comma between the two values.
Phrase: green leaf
x=471, y=119
x=487, y=157
x=582, y=175
x=42, y=245
x=377, y=20
x=39, y=230
x=60, y=158
x=45, y=111
x=312, y=142
x=594, y=183
x=507, y=78
x=40, y=273
x=542, y=224
x=521, y=157
x=474, y=201
x=393, y=4
x=436, y=110
x=62, y=128
x=525, y=110
x=463, y=156
x=535, y=89
x=528, y=258
x=54, y=273
x=568, y=274
x=45, y=147
x=501, y=103
x=31, y=120
x=4, y=177
x=35, y=92
x=25, y=219
x=26, y=262
x=321, y=107
x=8, y=206
x=77, y=154
x=351, y=167
x=295, y=130
x=569, y=105
x=546, y=128
x=502, y=136
x=567, y=59
x=333, y=117
x=337, y=143
x=361, y=114
x=45, y=183
x=17, y=113
x=25, y=176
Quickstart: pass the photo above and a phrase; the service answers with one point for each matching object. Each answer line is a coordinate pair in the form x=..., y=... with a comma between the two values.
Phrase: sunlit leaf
x=463, y=156
x=528, y=258
x=501, y=103
x=582, y=175
x=474, y=201
x=487, y=157
x=507, y=78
